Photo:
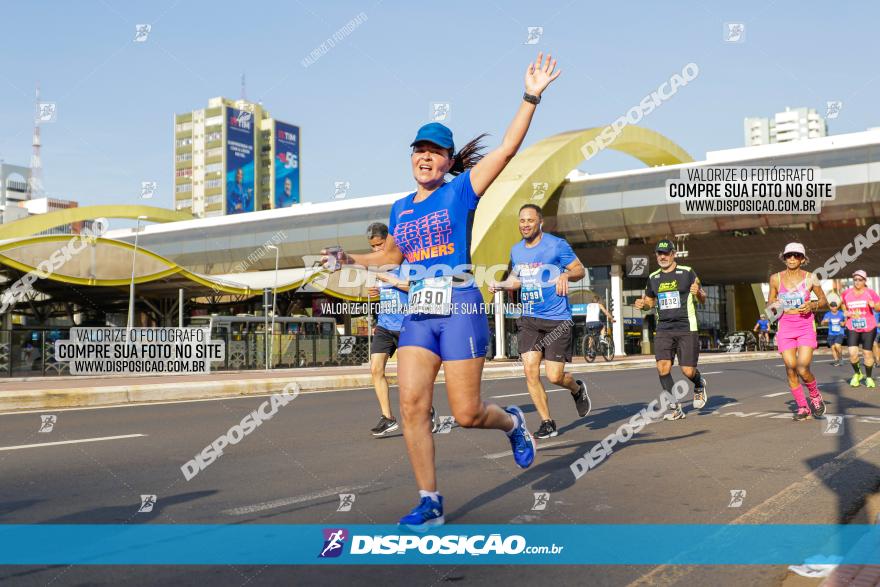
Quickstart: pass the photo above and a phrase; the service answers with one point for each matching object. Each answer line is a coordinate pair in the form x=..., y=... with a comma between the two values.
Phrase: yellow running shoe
x=856, y=380
x=870, y=382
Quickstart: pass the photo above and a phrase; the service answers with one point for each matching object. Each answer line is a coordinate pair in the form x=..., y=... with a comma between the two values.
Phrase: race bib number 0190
x=669, y=300
x=431, y=296
x=859, y=323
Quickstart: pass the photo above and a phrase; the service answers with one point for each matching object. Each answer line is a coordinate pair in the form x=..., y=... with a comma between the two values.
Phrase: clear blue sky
x=359, y=105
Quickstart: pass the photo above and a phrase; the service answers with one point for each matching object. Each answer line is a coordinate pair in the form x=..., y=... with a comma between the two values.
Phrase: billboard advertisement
x=239, y=161
x=285, y=167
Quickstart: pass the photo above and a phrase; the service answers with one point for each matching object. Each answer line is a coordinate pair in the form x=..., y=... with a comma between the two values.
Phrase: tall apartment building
x=233, y=157
x=795, y=124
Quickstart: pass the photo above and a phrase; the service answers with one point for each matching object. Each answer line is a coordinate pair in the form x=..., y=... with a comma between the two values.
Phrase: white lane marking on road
x=823, y=361
x=765, y=511
x=519, y=394
x=78, y=441
x=277, y=503
x=777, y=394
x=542, y=446
x=711, y=372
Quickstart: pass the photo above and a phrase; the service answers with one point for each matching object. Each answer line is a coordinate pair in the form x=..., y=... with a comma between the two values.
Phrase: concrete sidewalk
x=846, y=575
x=72, y=391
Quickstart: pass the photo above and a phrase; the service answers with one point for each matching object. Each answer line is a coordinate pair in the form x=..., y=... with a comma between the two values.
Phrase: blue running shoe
x=425, y=515
x=521, y=440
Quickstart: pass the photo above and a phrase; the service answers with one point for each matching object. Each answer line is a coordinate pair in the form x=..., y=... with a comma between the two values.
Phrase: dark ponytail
x=468, y=156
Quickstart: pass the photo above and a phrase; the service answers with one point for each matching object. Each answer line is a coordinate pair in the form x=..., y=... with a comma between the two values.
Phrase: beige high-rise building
x=233, y=157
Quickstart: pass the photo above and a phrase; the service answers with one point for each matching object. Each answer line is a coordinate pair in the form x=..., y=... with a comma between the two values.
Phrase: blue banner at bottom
x=636, y=544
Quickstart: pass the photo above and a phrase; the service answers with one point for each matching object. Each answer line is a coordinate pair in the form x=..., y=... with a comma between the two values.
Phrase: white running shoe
x=701, y=396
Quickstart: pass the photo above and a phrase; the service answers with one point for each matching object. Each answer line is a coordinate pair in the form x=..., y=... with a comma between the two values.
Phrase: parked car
x=739, y=341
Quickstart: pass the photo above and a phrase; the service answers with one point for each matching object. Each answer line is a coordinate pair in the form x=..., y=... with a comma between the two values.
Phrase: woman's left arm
x=822, y=301
x=539, y=75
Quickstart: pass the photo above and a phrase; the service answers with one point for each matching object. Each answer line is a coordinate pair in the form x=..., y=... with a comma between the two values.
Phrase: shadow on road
x=128, y=513
x=555, y=474
x=858, y=478
x=7, y=507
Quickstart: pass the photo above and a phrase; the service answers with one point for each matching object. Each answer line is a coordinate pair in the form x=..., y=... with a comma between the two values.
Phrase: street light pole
x=131, y=285
x=274, y=298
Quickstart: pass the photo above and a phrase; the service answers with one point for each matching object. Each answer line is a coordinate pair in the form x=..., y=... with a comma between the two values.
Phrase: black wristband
x=531, y=99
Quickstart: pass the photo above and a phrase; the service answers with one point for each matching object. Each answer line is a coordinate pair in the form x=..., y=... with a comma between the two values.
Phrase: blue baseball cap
x=436, y=133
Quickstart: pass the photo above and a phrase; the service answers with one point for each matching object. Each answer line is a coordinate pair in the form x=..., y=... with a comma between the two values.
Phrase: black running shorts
x=683, y=344
x=384, y=341
x=866, y=339
x=551, y=337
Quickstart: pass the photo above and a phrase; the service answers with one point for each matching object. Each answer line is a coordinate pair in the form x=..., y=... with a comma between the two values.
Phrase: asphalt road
x=292, y=469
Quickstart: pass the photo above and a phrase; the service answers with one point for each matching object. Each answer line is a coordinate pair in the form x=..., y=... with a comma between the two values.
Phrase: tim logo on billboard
x=242, y=119
x=334, y=541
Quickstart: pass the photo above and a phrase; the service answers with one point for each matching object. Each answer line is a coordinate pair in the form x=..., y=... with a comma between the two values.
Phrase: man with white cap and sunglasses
x=859, y=303
x=796, y=335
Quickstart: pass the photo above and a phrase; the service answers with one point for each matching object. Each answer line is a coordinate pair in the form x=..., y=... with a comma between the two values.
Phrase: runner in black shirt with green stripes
x=674, y=289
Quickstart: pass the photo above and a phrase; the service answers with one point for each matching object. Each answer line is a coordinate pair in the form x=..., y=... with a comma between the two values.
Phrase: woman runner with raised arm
x=431, y=230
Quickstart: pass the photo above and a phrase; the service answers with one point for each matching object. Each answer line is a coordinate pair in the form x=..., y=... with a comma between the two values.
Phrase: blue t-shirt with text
x=435, y=234
x=391, y=302
x=531, y=265
x=835, y=322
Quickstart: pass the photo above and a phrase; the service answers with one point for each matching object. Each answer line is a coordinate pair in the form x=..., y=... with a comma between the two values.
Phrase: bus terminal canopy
x=100, y=262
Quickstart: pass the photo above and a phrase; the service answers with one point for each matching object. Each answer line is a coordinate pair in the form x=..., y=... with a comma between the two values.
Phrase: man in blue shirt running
x=386, y=335
x=542, y=267
x=835, y=320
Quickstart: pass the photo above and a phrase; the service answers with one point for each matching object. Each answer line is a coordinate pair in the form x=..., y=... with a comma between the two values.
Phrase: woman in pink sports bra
x=796, y=333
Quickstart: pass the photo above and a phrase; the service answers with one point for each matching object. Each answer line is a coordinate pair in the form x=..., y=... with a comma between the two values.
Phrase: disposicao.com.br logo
x=452, y=544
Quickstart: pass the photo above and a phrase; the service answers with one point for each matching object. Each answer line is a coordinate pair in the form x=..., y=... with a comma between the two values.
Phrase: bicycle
x=594, y=342
x=763, y=341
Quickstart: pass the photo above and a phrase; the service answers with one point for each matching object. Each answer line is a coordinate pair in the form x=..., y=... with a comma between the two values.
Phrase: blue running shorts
x=464, y=334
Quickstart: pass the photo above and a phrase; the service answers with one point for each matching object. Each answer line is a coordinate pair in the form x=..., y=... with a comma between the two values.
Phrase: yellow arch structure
x=546, y=163
x=36, y=224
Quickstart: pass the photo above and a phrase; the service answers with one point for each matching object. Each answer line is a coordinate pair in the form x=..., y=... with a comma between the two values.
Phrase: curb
x=144, y=393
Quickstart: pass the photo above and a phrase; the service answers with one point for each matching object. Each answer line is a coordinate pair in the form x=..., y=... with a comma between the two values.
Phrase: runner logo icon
x=737, y=496
x=334, y=540
x=542, y=498
x=47, y=423
x=346, y=500
x=147, y=503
